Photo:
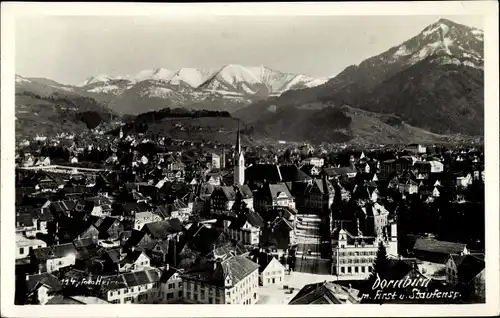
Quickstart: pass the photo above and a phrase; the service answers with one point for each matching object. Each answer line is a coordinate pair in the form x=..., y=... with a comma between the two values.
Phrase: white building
x=416, y=148
x=271, y=271
x=353, y=255
x=142, y=218
x=314, y=161
x=237, y=282
x=215, y=161
x=150, y=286
x=246, y=230
x=25, y=245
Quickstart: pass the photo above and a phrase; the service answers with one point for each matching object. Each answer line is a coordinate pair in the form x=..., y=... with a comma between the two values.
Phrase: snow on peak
x=20, y=79
x=234, y=73
x=191, y=76
x=159, y=74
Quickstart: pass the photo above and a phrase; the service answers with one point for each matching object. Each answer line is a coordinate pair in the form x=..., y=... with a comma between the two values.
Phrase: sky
x=70, y=49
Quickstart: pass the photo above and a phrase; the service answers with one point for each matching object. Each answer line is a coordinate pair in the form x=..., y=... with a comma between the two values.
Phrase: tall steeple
x=239, y=161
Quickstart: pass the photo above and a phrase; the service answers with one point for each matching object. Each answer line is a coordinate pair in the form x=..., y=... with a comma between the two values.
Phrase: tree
x=381, y=264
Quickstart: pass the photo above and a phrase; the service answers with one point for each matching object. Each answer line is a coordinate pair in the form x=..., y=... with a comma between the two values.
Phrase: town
x=135, y=218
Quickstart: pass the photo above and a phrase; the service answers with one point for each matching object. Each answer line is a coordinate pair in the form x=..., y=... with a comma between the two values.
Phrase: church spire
x=239, y=161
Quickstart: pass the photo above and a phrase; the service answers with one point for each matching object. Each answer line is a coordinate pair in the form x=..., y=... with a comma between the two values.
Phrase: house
x=271, y=271
x=98, y=206
x=216, y=161
x=234, y=280
x=428, y=167
x=314, y=161
x=224, y=197
x=464, y=180
x=408, y=186
x=435, y=251
x=270, y=195
x=134, y=261
x=278, y=236
x=142, y=218
x=416, y=148
x=73, y=160
x=467, y=273
x=164, y=230
x=149, y=286
x=326, y=293
x=317, y=197
x=311, y=170
x=40, y=288
x=246, y=229
x=25, y=245
x=392, y=166
x=109, y=228
x=340, y=172
x=52, y=258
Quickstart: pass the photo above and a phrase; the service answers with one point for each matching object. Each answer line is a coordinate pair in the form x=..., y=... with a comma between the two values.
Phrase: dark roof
x=215, y=272
x=161, y=229
x=51, y=281
x=104, y=224
x=291, y=173
x=132, y=279
x=261, y=172
x=469, y=267
x=263, y=259
x=62, y=300
x=436, y=246
x=131, y=257
x=322, y=293
x=55, y=251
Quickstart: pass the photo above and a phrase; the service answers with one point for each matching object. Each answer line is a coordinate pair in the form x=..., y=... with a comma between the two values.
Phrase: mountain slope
x=433, y=81
x=48, y=108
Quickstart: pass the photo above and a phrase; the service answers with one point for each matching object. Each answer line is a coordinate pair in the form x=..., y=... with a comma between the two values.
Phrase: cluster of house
x=148, y=233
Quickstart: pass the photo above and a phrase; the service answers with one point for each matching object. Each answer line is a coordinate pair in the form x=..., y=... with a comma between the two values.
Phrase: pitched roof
x=55, y=251
x=51, y=281
x=161, y=229
x=324, y=293
x=469, y=268
x=214, y=272
x=291, y=173
x=132, y=279
x=436, y=246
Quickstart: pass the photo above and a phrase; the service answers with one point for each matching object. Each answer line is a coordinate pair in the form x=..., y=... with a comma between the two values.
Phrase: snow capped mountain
x=443, y=38
x=231, y=83
x=191, y=76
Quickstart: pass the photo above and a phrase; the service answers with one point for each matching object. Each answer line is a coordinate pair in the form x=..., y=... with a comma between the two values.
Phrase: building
x=271, y=271
x=142, y=218
x=416, y=148
x=436, y=251
x=271, y=195
x=216, y=161
x=223, y=198
x=246, y=229
x=326, y=293
x=25, y=245
x=353, y=255
x=427, y=167
x=392, y=166
x=239, y=161
x=234, y=280
x=467, y=273
x=150, y=286
x=318, y=162
x=52, y=258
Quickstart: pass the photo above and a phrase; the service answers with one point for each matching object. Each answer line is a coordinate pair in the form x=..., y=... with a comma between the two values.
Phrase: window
x=355, y=269
x=170, y=296
x=342, y=270
x=111, y=293
x=349, y=270
x=180, y=293
x=210, y=300
x=179, y=284
x=21, y=250
x=217, y=293
x=362, y=269
x=188, y=295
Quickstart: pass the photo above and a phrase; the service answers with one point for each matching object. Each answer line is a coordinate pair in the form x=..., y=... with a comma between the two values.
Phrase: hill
x=432, y=82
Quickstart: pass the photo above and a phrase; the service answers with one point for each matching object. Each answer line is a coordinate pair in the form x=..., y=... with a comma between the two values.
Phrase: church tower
x=121, y=132
x=239, y=161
